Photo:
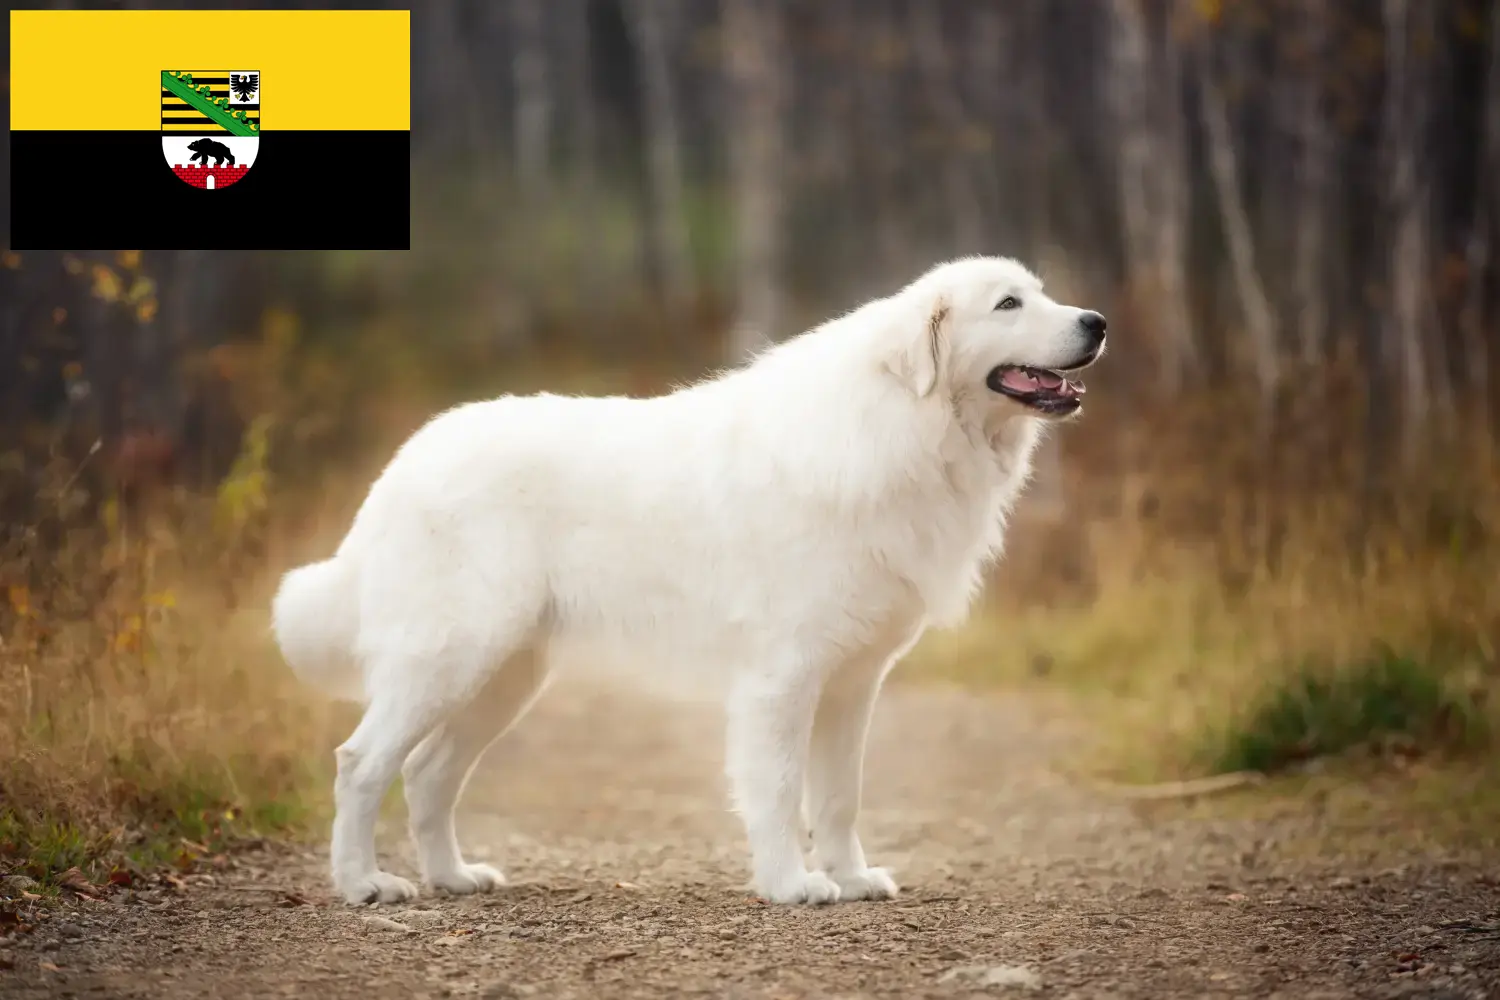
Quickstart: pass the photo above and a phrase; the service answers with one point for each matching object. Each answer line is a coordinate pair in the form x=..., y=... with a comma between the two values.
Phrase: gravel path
x=607, y=814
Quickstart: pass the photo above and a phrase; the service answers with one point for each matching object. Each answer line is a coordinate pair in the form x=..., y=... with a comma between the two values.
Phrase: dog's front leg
x=835, y=775
x=770, y=718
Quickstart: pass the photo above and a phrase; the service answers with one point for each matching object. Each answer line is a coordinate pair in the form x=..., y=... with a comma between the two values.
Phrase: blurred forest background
x=1274, y=533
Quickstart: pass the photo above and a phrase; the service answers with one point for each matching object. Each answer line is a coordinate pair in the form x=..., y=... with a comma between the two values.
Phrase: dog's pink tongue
x=1019, y=380
x=1049, y=380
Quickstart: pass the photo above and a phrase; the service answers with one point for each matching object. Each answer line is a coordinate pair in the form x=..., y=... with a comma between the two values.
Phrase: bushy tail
x=316, y=618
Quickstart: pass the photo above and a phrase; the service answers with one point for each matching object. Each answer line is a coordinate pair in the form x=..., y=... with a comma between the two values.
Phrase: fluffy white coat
x=794, y=523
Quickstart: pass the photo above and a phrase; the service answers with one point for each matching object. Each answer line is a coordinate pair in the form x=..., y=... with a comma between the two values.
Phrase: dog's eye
x=1009, y=302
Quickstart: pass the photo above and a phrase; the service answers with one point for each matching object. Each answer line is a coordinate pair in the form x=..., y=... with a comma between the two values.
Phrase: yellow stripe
x=309, y=62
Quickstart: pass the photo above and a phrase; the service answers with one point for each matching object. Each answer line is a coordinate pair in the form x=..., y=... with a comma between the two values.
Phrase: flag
x=210, y=129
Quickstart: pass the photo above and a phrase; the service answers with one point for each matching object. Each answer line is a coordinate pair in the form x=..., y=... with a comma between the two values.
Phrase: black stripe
x=287, y=201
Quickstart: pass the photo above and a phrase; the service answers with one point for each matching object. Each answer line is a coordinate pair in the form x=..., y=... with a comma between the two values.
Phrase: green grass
x=1317, y=711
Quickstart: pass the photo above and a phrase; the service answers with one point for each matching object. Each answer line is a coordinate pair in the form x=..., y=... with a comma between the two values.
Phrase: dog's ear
x=923, y=354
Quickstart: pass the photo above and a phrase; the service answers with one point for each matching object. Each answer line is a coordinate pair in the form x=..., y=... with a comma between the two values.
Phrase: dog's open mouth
x=1041, y=389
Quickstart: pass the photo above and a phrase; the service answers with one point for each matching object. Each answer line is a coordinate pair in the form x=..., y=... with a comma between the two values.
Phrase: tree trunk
x=1146, y=101
x=652, y=27
x=1223, y=166
x=578, y=57
x=1479, y=252
x=752, y=33
x=935, y=63
x=1173, y=191
x=1310, y=237
x=876, y=66
x=1405, y=121
x=533, y=123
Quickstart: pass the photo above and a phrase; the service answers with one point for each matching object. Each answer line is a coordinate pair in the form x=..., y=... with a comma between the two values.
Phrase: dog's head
x=983, y=324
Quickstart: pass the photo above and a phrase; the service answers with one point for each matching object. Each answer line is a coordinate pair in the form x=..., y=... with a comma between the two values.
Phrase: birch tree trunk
x=653, y=29
x=752, y=40
x=1223, y=166
x=1146, y=101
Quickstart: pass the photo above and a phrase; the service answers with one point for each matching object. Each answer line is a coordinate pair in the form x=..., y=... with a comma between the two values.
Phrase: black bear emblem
x=204, y=148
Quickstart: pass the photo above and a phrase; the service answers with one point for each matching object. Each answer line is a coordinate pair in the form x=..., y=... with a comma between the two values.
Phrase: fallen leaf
x=75, y=880
x=50, y=967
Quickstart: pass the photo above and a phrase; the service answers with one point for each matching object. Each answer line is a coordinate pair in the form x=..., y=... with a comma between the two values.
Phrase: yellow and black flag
x=210, y=129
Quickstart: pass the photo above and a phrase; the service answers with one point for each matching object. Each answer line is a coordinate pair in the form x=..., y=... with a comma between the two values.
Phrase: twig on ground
x=1183, y=789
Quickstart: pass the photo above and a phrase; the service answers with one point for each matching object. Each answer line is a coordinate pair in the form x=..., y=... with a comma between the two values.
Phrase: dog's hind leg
x=415, y=687
x=437, y=770
x=835, y=775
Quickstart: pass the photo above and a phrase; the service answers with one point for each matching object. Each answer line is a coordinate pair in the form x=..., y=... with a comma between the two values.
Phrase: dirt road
x=608, y=816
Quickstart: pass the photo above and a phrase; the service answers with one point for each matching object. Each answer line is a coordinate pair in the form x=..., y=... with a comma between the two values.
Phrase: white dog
x=796, y=523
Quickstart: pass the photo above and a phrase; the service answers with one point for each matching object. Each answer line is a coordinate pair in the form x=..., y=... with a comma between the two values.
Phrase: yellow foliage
x=107, y=284
x=141, y=288
x=244, y=493
x=20, y=600
x=109, y=512
x=128, y=638
x=129, y=259
x=10, y=259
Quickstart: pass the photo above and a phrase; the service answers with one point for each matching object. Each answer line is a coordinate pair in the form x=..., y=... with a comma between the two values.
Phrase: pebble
x=725, y=934
x=994, y=975
x=384, y=924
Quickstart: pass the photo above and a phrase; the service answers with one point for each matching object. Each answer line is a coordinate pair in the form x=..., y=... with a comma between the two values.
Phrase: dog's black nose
x=1094, y=324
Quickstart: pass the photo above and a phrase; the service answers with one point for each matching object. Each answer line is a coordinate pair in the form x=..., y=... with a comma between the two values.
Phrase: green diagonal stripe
x=203, y=104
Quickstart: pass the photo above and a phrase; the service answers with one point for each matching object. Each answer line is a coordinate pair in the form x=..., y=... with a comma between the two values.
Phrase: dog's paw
x=468, y=880
x=375, y=887
x=871, y=883
x=814, y=888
